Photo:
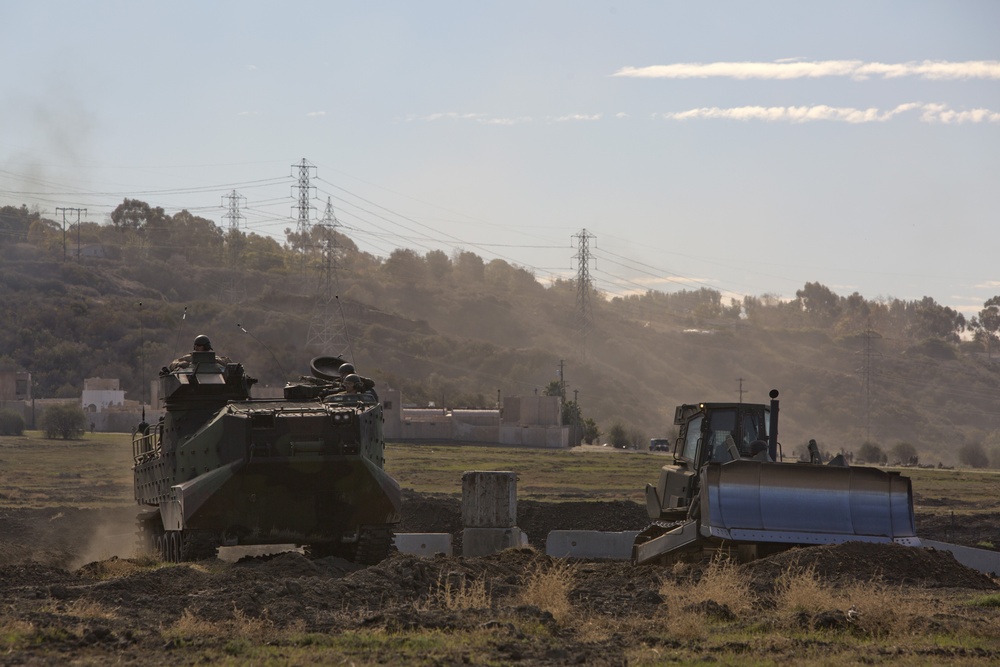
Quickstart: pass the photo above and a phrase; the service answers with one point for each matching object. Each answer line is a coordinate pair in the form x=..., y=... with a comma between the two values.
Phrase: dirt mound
x=859, y=562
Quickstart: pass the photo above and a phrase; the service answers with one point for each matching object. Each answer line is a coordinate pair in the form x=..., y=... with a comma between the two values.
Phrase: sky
x=746, y=147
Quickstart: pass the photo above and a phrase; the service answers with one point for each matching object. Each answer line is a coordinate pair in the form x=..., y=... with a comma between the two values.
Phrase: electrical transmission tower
x=867, y=371
x=303, y=170
x=78, y=212
x=584, y=316
x=236, y=291
x=326, y=334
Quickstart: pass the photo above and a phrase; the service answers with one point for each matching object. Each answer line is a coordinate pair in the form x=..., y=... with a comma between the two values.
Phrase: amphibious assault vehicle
x=224, y=469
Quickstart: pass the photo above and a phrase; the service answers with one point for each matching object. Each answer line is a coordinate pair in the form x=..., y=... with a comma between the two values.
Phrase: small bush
x=11, y=423
x=64, y=420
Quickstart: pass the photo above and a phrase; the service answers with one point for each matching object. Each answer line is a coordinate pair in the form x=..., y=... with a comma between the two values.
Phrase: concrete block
x=423, y=544
x=489, y=499
x=486, y=541
x=590, y=544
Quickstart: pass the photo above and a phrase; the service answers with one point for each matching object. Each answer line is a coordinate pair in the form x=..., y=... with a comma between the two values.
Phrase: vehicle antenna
x=142, y=363
x=280, y=367
x=177, y=338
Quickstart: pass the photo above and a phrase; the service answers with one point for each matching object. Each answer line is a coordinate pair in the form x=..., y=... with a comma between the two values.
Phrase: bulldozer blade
x=657, y=541
x=757, y=501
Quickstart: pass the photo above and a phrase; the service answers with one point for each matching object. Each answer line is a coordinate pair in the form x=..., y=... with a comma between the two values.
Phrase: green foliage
x=590, y=431
x=555, y=388
x=64, y=420
x=11, y=423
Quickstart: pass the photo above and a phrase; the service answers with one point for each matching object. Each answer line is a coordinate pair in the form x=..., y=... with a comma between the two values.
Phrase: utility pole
x=584, y=317
x=741, y=389
x=78, y=212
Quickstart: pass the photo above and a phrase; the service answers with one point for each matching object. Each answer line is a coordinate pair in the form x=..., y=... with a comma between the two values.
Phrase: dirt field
x=72, y=591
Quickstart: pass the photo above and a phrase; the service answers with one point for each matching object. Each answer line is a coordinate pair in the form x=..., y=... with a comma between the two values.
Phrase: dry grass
x=799, y=590
x=257, y=629
x=89, y=609
x=723, y=591
x=548, y=588
x=454, y=591
x=871, y=608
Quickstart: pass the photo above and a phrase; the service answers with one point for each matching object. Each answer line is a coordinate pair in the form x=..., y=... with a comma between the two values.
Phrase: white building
x=99, y=394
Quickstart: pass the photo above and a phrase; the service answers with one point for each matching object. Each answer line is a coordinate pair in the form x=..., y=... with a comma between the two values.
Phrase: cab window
x=690, y=451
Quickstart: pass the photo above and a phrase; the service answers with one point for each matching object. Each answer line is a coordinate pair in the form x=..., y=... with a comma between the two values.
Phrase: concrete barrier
x=423, y=544
x=984, y=560
x=590, y=544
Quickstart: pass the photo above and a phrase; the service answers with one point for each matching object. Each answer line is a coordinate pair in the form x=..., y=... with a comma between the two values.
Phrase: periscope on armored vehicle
x=221, y=468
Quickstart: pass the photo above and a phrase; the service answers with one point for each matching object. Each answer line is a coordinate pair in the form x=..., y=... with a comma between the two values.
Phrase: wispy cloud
x=576, y=116
x=314, y=114
x=929, y=113
x=783, y=69
x=476, y=117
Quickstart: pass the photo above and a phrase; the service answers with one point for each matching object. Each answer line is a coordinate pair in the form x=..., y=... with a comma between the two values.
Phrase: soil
x=72, y=575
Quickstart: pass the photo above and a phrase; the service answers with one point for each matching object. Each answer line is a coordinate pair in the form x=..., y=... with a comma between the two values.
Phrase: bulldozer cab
x=720, y=432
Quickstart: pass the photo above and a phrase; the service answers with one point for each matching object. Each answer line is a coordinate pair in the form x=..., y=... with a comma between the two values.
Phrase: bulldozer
x=729, y=490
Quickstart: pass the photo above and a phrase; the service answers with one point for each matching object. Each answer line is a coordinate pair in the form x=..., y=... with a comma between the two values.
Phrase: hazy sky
x=749, y=147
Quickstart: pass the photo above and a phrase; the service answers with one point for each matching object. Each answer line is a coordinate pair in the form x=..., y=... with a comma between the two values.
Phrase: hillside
x=457, y=330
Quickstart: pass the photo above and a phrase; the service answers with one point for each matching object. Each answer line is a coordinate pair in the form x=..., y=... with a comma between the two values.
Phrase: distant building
x=15, y=386
x=107, y=409
x=99, y=394
x=530, y=421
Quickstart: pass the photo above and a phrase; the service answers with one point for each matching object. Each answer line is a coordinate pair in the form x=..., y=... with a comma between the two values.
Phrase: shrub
x=11, y=423
x=618, y=436
x=872, y=453
x=65, y=421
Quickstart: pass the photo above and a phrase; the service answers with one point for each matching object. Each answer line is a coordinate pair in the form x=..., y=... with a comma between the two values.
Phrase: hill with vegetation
x=120, y=300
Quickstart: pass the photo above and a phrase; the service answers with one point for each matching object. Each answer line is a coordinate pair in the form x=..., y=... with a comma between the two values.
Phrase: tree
x=590, y=431
x=138, y=215
x=554, y=388
x=986, y=324
x=872, y=453
x=819, y=303
x=928, y=319
x=618, y=436
x=438, y=264
x=64, y=420
x=973, y=454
